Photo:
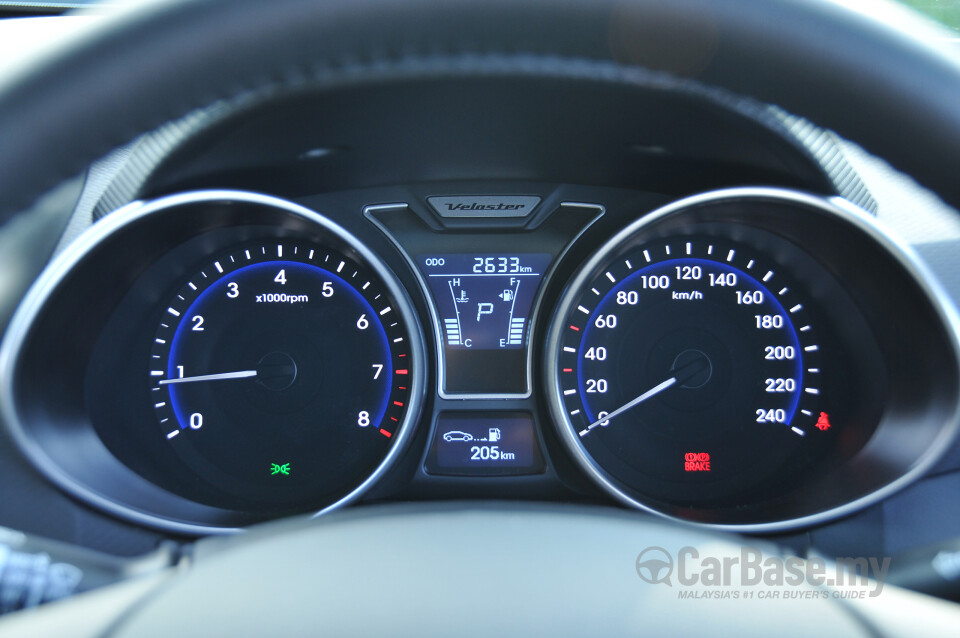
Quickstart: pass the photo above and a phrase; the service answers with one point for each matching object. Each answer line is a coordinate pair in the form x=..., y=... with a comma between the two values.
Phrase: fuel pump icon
x=493, y=434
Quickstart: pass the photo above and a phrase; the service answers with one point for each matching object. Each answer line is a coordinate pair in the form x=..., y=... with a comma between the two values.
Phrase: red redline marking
x=404, y=371
x=568, y=369
x=385, y=433
x=393, y=418
x=575, y=328
x=401, y=355
x=397, y=403
x=400, y=387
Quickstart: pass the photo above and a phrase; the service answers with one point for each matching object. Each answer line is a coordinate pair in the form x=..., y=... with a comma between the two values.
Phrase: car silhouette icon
x=457, y=435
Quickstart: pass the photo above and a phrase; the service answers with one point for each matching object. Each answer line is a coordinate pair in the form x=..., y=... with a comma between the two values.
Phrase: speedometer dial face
x=280, y=373
x=688, y=372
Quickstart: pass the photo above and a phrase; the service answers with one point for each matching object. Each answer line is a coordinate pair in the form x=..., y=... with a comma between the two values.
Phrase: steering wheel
x=470, y=569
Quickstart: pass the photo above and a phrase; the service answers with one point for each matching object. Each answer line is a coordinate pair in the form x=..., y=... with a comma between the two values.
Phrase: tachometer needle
x=657, y=389
x=243, y=374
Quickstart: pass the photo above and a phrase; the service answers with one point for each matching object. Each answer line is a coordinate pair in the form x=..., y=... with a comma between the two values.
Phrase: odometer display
x=688, y=370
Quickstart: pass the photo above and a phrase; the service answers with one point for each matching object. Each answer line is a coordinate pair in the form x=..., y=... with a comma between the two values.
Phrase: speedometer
x=704, y=366
x=694, y=362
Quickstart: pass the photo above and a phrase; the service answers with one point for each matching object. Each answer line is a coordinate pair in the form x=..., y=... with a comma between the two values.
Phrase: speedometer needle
x=243, y=374
x=681, y=374
x=657, y=389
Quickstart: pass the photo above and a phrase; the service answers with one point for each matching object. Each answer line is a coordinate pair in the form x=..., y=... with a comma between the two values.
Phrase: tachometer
x=279, y=369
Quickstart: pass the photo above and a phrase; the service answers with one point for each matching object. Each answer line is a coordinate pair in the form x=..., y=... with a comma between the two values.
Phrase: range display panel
x=484, y=444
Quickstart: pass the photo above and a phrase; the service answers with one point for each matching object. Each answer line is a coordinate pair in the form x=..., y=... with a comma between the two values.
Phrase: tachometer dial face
x=280, y=373
x=688, y=371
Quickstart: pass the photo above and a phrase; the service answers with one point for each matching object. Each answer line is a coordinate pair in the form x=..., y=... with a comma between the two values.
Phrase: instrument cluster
x=749, y=358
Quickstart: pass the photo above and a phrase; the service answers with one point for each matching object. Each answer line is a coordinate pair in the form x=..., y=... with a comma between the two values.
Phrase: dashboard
x=723, y=358
x=480, y=282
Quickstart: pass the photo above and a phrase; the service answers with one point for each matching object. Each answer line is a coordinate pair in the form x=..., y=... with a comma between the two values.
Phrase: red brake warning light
x=696, y=462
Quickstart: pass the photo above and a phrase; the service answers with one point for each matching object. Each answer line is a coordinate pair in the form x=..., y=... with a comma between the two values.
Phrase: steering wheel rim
x=814, y=58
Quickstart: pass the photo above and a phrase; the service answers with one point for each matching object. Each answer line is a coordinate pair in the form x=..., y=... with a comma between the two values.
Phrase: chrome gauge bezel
x=140, y=500
x=836, y=215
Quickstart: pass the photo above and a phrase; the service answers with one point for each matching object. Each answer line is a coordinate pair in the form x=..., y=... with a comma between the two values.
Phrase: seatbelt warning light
x=823, y=423
x=696, y=462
